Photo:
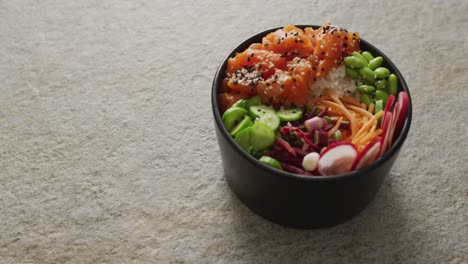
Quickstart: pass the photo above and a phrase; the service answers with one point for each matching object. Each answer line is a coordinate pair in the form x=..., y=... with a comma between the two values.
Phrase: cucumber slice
x=261, y=136
x=242, y=103
x=289, y=114
x=270, y=162
x=243, y=138
x=246, y=122
x=269, y=119
x=259, y=110
x=254, y=100
x=232, y=116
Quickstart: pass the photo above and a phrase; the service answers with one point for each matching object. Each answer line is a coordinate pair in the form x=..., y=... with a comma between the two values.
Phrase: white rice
x=338, y=81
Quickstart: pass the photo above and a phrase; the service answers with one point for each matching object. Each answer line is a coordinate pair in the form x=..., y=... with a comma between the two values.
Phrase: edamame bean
x=367, y=74
x=392, y=84
x=365, y=89
x=354, y=62
x=382, y=72
x=367, y=99
x=367, y=55
x=381, y=84
x=352, y=73
x=359, y=56
x=381, y=95
x=375, y=63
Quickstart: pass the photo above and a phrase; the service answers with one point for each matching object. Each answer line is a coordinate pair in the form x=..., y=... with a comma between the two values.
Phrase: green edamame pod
x=367, y=55
x=367, y=74
x=353, y=74
x=392, y=84
x=367, y=99
x=381, y=95
x=375, y=63
x=365, y=89
x=359, y=56
x=382, y=72
x=354, y=62
x=381, y=84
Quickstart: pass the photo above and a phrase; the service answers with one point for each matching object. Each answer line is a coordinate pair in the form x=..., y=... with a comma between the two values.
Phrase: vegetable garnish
x=311, y=103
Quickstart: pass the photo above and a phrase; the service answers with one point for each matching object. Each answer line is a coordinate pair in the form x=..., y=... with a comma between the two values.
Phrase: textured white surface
x=108, y=152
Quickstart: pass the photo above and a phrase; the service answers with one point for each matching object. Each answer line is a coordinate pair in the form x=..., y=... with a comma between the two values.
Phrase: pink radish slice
x=368, y=154
x=389, y=105
x=338, y=158
x=404, y=102
x=386, y=125
x=396, y=114
x=390, y=101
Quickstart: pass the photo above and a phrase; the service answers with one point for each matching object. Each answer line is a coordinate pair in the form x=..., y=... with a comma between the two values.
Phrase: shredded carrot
x=374, y=126
x=368, y=137
x=345, y=112
x=360, y=110
x=363, y=123
x=369, y=123
x=365, y=119
x=335, y=127
x=350, y=100
x=371, y=108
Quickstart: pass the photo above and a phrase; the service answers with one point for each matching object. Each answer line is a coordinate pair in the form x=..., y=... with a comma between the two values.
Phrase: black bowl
x=294, y=200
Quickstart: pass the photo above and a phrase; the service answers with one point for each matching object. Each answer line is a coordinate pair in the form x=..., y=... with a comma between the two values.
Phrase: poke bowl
x=309, y=121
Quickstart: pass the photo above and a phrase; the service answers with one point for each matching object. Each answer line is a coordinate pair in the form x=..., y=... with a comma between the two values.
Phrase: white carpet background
x=107, y=144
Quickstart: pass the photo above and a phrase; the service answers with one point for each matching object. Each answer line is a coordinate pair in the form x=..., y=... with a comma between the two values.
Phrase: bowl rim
x=379, y=162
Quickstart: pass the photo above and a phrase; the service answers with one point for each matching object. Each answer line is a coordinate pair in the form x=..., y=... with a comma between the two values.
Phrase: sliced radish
x=403, y=99
x=338, y=158
x=396, y=114
x=390, y=101
x=389, y=105
x=386, y=125
x=368, y=154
